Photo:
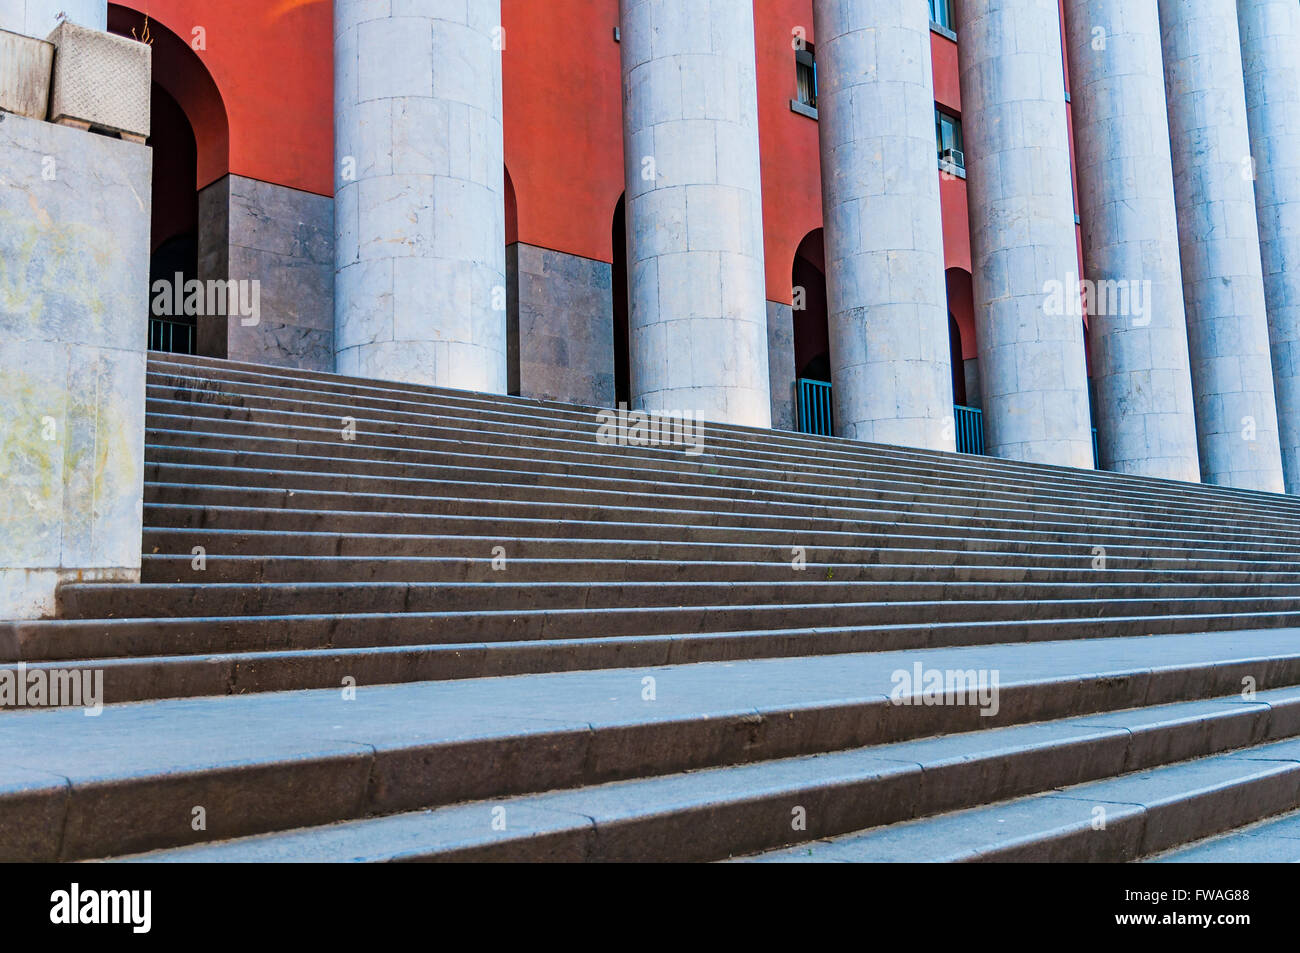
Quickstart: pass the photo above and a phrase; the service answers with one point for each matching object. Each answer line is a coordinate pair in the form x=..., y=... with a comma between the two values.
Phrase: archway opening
x=513, y=384
x=812, y=340
x=190, y=138
x=618, y=285
x=174, y=233
x=962, y=340
x=958, y=364
x=813, y=404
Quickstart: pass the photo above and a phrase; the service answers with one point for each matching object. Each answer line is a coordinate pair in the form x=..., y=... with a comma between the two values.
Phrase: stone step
x=611, y=633
x=149, y=659
x=834, y=601
x=483, y=487
x=402, y=446
x=919, y=550
x=73, y=787
x=1117, y=819
x=304, y=511
x=183, y=567
x=217, y=375
x=1275, y=841
x=880, y=478
x=715, y=813
x=651, y=655
x=193, y=448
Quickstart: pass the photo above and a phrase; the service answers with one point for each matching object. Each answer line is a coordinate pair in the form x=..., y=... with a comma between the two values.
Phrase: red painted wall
x=564, y=122
x=273, y=64
x=792, y=200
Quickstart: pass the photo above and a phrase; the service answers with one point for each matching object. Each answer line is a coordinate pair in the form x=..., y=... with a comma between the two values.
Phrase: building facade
x=1050, y=230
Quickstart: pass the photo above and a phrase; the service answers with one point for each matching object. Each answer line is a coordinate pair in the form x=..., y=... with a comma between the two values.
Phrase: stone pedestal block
x=101, y=81
x=74, y=312
x=561, y=326
x=25, y=66
x=284, y=240
x=780, y=359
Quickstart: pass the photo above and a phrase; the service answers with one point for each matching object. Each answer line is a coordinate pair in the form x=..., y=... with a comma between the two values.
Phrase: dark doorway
x=174, y=242
x=618, y=284
x=812, y=342
x=958, y=365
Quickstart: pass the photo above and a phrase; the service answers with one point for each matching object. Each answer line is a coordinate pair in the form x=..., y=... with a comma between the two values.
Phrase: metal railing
x=814, y=405
x=813, y=400
x=171, y=337
x=970, y=429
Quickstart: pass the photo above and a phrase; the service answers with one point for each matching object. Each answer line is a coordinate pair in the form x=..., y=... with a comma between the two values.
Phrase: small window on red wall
x=805, y=64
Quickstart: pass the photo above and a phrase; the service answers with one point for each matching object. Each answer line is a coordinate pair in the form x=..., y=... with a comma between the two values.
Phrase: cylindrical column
x=1270, y=45
x=1033, y=374
x=888, y=318
x=698, y=303
x=420, y=204
x=1223, y=284
x=1140, y=367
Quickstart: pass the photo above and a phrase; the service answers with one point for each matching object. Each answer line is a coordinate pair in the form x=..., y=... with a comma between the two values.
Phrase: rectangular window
x=941, y=13
x=805, y=64
x=947, y=130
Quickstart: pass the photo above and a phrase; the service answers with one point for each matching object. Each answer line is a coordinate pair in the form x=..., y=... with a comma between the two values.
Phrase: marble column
x=420, y=292
x=697, y=301
x=1223, y=283
x=1145, y=420
x=1033, y=374
x=887, y=315
x=1270, y=50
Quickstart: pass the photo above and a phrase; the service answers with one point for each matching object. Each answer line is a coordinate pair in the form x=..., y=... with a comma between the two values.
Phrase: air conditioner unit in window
x=953, y=158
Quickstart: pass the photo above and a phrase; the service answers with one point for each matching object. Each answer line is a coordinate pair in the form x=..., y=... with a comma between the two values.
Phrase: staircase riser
x=179, y=569
x=913, y=549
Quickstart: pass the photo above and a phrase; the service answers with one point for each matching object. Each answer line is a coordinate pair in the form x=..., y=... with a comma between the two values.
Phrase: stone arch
x=190, y=137
x=618, y=290
x=965, y=345
x=811, y=333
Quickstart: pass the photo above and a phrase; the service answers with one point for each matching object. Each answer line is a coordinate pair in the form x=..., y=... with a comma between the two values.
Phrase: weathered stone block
x=74, y=307
x=283, y=239
x=561, y=326
x=100, y=80
x=25, y=65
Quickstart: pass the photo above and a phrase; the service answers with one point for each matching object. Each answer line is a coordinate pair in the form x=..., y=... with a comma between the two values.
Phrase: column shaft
x=1141, y=370
x=1223, y=284
x=697, y=301
x=1270, y=45
x=1033, y=374
x=888, y=317
x=420, y=207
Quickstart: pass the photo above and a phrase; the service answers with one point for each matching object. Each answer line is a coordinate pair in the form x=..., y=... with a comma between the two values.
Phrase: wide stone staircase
x=387, y=622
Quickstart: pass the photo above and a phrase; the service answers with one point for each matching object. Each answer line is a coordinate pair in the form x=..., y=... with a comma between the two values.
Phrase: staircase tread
x=186, y=734
x=463, y=825
x=983, y=831
x=1271, y=841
